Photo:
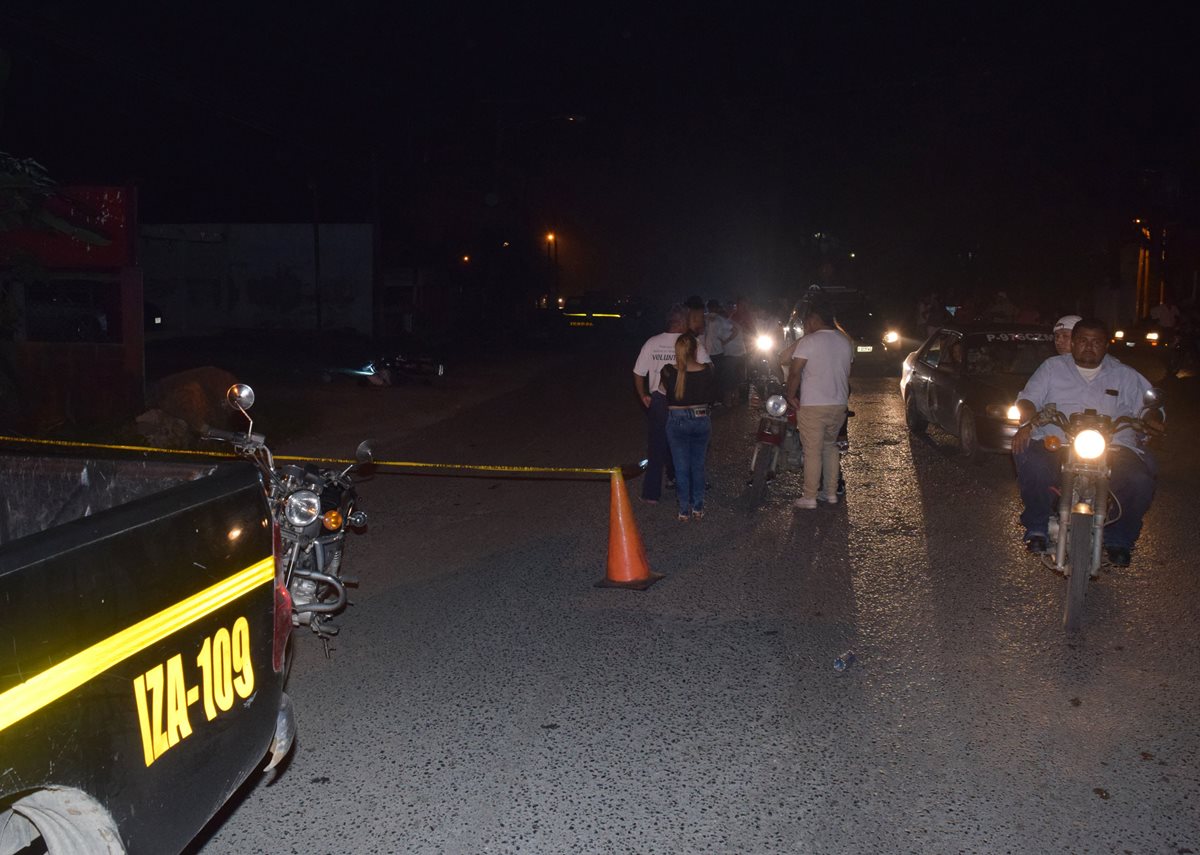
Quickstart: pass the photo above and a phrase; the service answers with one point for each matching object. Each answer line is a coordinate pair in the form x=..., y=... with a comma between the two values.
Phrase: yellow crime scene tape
x=394, y=464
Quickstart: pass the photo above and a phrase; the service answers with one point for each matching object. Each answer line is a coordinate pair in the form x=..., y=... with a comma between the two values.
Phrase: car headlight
x=1151, y=336
x=302, y=507
x=1089, y=444
x=891, y=337
x=1119, y=334
x=765, y=343
x=1008, y=413
x=776, y=405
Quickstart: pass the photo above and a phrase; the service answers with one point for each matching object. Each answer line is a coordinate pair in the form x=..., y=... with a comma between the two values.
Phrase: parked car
x=965, y=378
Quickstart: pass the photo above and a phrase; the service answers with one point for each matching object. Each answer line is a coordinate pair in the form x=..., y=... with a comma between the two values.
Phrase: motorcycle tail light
x=332, y=520
x=283, y=604
x=1053, y=443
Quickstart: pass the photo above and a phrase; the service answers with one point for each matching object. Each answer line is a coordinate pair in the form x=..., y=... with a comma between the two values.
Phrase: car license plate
x=865, y=348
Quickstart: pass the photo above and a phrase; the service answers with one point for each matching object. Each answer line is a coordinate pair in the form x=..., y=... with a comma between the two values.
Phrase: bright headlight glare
x=765, y=342
x=302, y=507
x=1014, y=414
x=1119, y=334
x=1151, y=336
x=776, y=405
x=1089, y=444
x=891, y=336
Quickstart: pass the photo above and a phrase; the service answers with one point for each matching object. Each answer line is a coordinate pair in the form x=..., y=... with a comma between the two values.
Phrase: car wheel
x=968, y=438
x=916, y=422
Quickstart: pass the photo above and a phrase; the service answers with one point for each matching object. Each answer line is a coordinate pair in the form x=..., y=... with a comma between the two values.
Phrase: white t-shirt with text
x=659, y=350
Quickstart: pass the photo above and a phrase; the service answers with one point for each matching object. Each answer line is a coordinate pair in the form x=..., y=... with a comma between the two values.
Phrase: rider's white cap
x=1067, y=322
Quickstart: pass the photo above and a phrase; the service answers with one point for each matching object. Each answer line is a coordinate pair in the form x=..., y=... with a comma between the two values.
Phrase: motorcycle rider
x=1062, y=333
x=1086, y=378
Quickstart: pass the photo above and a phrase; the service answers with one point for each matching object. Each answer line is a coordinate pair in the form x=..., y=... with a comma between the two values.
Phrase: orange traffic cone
x=627, y=567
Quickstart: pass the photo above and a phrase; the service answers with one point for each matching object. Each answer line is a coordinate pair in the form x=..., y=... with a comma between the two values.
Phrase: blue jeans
x=1132, y=481
x=658, y=452
x=688, y=435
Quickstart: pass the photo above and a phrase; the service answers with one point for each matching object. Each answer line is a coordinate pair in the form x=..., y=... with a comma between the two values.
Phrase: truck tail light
x=283, y=603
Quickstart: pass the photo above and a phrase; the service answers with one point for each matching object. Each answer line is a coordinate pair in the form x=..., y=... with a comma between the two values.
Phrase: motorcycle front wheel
x=762, y=468
x=1079, y=552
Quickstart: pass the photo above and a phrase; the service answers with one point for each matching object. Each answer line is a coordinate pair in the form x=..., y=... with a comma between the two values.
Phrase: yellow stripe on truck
x=47, y=687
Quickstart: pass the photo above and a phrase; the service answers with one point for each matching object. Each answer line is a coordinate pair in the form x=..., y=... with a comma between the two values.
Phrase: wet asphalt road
x=485, y=697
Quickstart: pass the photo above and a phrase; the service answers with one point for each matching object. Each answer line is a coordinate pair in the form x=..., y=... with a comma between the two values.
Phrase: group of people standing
x=699, y=362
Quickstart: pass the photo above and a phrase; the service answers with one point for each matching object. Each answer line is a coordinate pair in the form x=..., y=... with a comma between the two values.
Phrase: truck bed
x=41, y=492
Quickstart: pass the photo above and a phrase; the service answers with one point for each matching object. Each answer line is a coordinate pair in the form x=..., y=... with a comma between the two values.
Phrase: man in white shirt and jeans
x=819, y=388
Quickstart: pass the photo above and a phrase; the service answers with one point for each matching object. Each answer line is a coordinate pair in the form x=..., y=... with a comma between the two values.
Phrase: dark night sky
x=712, y=146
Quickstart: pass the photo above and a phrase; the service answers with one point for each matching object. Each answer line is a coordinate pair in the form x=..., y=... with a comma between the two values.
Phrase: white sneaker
x=803, y=504
x=831, y=499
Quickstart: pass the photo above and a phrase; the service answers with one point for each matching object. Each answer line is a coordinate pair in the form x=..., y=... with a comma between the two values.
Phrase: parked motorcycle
x=776, y=443
x=312, y=509
x=1076, y=532
x=777, y=447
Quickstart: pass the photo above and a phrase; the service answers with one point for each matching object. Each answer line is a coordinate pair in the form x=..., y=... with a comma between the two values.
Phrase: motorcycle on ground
x=1075, y=540
x=312, y=508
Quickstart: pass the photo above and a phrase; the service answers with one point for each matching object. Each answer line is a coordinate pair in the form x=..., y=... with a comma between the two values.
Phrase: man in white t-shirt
x=819, y=388
x=659, y=350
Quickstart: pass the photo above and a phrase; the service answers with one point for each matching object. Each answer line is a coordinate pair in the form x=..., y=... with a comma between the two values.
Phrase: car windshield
x=1007, y=353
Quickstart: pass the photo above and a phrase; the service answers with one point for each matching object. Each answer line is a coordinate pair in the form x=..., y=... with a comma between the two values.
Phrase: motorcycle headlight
x=891, y=337
x=302, y=507
x=765, y=343
x=776, y=405
x=1089, y=444
x=1003, y=413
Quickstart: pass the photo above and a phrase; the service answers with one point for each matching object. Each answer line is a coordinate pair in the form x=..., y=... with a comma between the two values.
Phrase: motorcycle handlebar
x=226, y=435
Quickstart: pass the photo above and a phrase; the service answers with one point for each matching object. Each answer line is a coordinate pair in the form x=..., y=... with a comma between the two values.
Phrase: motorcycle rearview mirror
x=1152, y=398
x=364, y=453
x=241, y=398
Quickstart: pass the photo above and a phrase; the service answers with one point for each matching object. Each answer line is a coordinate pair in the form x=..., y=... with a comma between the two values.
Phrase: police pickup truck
x=143, y=638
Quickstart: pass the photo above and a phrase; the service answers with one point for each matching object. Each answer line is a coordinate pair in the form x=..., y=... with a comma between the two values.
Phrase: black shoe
x=1035, y=544
x=1118, y=556
x=841, y=487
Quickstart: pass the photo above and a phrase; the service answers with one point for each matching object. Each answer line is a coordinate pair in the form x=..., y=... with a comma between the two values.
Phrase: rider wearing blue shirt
x=1085, y=379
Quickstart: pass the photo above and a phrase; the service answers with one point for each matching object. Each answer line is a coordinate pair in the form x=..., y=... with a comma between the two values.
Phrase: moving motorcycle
x=1076, y=534
x=312, y=508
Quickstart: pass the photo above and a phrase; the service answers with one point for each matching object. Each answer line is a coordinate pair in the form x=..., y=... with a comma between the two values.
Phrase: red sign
x=94, y=228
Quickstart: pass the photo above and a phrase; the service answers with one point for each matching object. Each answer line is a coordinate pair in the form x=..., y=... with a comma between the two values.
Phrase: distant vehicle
x=965, y=378
x=390, y=370
x=1142, y=335
x=597, y=310
x=874, y=341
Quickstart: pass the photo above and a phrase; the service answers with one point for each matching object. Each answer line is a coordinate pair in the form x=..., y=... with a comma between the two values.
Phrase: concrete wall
x=204, y=278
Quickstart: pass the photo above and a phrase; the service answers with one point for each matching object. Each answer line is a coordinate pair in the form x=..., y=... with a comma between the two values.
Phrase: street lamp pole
x=552, y=257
